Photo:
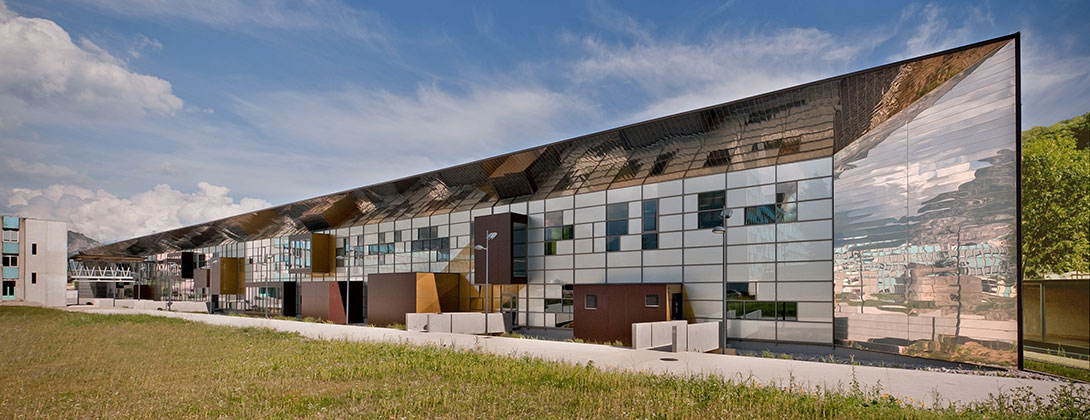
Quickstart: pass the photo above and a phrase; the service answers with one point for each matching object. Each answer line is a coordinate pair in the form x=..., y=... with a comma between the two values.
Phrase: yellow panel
x=231, y=276
x=427, y=296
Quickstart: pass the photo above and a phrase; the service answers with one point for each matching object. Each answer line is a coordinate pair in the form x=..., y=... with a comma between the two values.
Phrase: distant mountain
x=78, y=242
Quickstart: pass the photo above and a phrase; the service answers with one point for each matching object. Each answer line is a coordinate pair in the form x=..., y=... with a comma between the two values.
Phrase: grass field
x=56, y=364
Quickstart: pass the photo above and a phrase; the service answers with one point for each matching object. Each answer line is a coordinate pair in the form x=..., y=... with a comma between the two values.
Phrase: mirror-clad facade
x=926, y=215
x=861, y=206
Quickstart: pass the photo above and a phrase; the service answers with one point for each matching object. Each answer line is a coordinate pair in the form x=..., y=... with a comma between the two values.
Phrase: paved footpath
x=919, y=385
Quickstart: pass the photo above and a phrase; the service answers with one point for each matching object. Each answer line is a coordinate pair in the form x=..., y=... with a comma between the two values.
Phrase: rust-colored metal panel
x=619, y=306
x=322, y=300
x=500, y=267
x=389, y=297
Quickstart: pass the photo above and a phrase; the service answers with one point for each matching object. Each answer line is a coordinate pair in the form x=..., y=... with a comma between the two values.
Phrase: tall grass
x=75, y=365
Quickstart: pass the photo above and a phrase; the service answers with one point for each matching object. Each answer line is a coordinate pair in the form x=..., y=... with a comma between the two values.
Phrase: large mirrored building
x=876, y=210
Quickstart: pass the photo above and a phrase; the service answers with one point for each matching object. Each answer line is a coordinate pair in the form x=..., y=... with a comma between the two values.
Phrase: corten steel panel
x=925, y=215
x=793, y=124
x=322, y=300
x=619, y=306
x=389, y=297
x=500, y=268
x=200, y=278
x=189, y=262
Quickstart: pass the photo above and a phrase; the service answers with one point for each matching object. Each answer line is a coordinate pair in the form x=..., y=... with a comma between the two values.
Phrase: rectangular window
x=33, y=249
x=787, y=212
x=709, y=219
x=786, y=192
x=711, y=200
x=761, y=215
x=651, y=301
x=710, y=205
x=11, y=261
x=617, y=211
x=650, y=215
x=560, y=233
x=550, y=248
x=590, y=302
x=33, y=278
x=649, y=241
x=613, y=243
x=789, y=311
x=425, y=232
x=742, y=291
x=442, y=255
x=11, y=236
x=397, y=236
x=617, y=227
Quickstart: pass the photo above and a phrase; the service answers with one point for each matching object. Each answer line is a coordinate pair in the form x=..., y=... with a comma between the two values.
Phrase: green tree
x=1056, y=198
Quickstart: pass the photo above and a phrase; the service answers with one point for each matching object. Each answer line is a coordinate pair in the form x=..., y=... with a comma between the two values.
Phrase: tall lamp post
x=722, y=230
x=349, y=254
x=488, y=237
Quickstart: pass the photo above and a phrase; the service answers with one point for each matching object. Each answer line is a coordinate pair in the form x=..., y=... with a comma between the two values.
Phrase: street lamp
x=488, y=237
x=722, y=230
x=347, y=258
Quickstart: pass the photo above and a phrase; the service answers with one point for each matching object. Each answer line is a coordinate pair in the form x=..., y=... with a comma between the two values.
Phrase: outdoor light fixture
x=722, y=230
x=489, y=236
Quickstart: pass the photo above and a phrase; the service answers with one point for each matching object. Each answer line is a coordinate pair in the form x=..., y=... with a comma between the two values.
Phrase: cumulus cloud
x=108, y=218
x=45, y=73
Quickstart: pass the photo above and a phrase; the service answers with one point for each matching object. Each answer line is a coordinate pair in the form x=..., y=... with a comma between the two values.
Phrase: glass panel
x=617, y=227
x=742, y=291
x=760, y=215
x=651, y=301
x=711, y=200
x=785, y=192
x=590, y=302
x=787, y=212
x=709, y=219
x=550, y=248
x=650, y=223
x=617, y=211
x=789, y=311
x=613, y=243
x=650, y=241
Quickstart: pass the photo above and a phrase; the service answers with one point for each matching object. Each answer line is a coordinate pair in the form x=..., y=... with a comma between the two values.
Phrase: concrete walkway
x=921, y=386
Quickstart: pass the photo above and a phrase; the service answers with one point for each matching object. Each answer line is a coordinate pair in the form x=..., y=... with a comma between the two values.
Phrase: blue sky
x=126, y=117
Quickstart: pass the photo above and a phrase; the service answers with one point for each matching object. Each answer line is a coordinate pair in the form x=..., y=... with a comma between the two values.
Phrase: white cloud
x=430, y=125
x=45, y=73
x=679, y=76
x=936, y=33
x=240, y=15
x=107, y=218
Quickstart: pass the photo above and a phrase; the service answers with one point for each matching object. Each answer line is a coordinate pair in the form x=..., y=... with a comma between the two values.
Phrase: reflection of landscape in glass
x=925, y=214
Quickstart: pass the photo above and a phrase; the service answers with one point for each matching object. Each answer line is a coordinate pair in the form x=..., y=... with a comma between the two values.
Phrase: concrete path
x=918, y=385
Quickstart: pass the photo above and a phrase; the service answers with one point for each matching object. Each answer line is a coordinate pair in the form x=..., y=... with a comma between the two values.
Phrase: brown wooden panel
x=619, y=306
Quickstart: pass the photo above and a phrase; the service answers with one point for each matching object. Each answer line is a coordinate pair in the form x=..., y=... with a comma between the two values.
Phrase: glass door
x=7, y=291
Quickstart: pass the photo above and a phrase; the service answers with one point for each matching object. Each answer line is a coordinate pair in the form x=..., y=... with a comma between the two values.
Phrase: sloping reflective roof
x=799, y=123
